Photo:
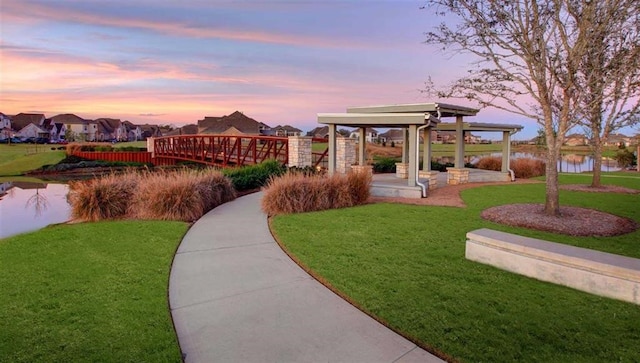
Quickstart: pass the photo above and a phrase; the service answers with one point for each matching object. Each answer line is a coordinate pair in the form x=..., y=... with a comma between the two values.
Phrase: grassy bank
x=93, y=292
x=405, y=265
x=17, y=159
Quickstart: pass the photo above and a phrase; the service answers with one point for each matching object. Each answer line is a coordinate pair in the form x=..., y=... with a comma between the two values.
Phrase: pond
x=28, y=206
x=568, y=163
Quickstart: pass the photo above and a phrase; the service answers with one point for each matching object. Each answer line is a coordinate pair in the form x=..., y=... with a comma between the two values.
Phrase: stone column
x=345, y=154
x=457, y=176
x=300, y=151
x=431, y=176
x=150, y=146
x=402, y=170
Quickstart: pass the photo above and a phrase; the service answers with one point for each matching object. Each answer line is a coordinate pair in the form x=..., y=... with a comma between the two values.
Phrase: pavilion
x=413, y=119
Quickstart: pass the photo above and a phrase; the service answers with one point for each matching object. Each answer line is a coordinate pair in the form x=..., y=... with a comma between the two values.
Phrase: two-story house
x=5, y=127
x=77, y=128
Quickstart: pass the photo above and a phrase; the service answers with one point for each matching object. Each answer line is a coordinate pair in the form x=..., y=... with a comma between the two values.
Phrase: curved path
x=235, y=296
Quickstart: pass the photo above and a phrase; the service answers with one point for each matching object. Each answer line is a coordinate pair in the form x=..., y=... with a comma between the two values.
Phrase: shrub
x=385, y=165
x=254, y=176
x=297, y=193
x=522, y=168
x=624, y=158
x=102, y=198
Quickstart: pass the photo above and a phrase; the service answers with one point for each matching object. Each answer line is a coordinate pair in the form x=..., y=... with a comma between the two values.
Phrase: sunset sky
x=280, y=62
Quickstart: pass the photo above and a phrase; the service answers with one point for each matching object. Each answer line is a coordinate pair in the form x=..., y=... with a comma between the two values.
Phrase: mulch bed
x=573, y=221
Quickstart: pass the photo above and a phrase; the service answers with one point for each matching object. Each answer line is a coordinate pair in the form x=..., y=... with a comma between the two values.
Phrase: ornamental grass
x=182, y=195
x=298, y=193
x=107, y=197
x=522, y=167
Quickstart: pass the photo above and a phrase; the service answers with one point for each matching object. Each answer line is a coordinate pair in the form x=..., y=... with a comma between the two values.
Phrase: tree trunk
x=597, y=161
x=552, y=195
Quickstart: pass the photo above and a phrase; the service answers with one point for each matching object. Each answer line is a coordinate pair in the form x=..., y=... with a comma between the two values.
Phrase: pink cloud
x=25, y=11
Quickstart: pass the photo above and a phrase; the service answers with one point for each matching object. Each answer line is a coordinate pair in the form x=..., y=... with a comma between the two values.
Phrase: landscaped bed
x=406, y=265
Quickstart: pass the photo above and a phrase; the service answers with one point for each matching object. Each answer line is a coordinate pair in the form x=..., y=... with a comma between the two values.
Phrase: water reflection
x=28, y=206
x=568, y=163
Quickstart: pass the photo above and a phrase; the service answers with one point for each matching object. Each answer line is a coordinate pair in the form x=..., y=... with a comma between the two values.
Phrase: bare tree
x=527, y=54
x=609, y=74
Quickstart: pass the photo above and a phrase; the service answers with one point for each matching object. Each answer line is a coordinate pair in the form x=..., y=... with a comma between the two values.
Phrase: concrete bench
x=596, y=272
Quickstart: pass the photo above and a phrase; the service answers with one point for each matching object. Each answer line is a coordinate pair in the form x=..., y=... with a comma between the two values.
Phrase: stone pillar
x=457, y=176
x=345, y=154
x=431, y=176
x=402, y=170
x=300, y=151
x=150, y=146
x=362, y=169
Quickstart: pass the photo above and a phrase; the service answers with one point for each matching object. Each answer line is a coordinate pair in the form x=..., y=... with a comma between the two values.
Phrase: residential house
x=191, y=129
x=110, y=129
x=617, y=140
x=77, y=128
x=286, y=130
x=134, y=132
x=5, y=126
x=392, y=135
x=20, y=125
x=56, y=130
x=150, y=131
x=321, y=132
x=576, y=140
x=32, y=130
x=234, y=124
x=370, y=135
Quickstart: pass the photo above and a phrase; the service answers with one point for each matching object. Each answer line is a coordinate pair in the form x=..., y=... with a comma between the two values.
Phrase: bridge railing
x=222, y=150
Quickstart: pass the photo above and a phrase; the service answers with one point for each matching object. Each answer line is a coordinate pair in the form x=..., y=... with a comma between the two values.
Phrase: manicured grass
x=627, y=179
x=94, y=292
x=405, y=265
x=19, y=158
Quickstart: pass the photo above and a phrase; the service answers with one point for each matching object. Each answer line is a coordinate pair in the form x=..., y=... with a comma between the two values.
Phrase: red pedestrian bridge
x=216, y=150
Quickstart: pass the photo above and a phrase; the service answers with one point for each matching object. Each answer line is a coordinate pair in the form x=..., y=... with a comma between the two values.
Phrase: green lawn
x=405, y=265
x=17, y=159
x=94, y=292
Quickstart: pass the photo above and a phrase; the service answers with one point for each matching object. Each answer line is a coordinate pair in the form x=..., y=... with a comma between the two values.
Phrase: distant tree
x=527, y=55
x=609, y=74
x=69, y=135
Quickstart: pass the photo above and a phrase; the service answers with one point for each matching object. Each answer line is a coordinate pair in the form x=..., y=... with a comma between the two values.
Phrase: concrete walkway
x=236, y=297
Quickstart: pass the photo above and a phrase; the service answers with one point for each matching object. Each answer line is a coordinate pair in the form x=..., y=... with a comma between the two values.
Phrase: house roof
x=237, y=120
x=393, y=133
x=321, y=131
x=191, y=129
x=287, y=128
x=68, y=118
x=21, y=120
x=107, y=125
